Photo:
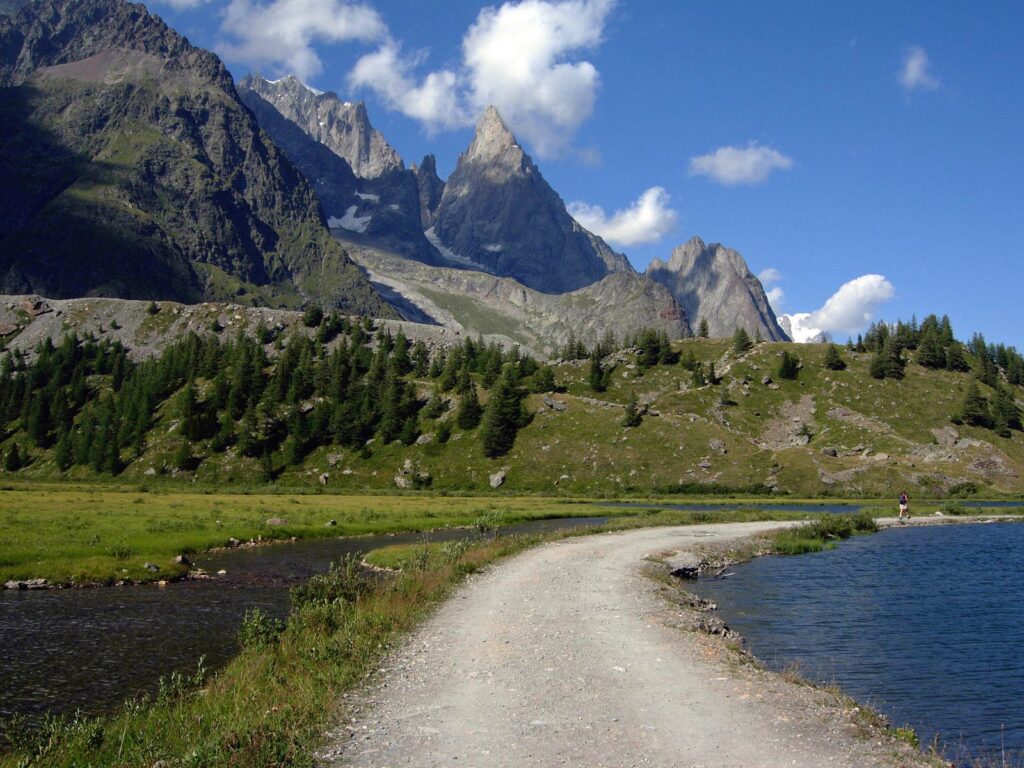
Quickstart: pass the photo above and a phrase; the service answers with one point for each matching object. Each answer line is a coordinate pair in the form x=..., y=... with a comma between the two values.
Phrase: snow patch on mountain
x=350, y=221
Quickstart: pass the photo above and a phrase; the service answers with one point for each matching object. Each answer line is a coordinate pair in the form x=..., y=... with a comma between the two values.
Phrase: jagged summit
x=342, y=126
x=498, y=213
x=714, y=283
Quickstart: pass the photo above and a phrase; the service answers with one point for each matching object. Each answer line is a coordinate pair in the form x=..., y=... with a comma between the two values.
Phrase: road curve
x=565, y=655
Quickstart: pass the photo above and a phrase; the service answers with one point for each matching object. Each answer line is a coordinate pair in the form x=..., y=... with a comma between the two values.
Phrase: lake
x=925, y=624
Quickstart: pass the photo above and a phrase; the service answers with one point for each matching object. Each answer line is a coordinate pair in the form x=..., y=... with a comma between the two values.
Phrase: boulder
x=498, y=478
x=151, y=567
x=830, y=452
x=182, y=560
x=330, y=523
x=554, y=405
x=324, y=477
x=276, y=521
x=718, y=446
x=685, y=565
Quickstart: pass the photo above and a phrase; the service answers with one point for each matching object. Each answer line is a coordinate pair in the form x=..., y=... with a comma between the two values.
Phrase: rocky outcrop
x=498, y=214
x=713, y=283
x=341, y=126
x=131, y=169
x=472, y=301
x=431, y=189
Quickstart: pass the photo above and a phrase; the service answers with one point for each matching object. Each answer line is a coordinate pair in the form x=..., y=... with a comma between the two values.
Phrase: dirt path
x=566, y=655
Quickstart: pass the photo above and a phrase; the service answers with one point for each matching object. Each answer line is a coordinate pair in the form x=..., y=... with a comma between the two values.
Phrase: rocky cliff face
x=341, y=126
x=713, y=283
x=385, y=207
x=498, y=214
x=131, y=169
x=431, y=189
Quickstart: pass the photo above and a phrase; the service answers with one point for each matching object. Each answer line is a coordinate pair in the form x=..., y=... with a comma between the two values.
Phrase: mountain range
x=136, y=168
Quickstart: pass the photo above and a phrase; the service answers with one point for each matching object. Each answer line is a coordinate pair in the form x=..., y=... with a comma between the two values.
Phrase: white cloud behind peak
x=916, y=75
x=853, y=306
x=732, y=166
x=523, y=58
x=769, y=278
x=282, y=33
x=647, y=220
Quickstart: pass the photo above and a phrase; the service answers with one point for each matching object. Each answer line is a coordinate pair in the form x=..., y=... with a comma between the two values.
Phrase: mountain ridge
x=133, y=170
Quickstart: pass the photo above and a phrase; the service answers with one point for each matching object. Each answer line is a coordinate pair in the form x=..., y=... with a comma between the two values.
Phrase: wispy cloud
x=647, y=220
x=731, y=166
x=915, y=74
x=776, y=296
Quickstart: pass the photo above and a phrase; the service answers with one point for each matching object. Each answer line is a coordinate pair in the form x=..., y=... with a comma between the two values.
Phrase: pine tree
x=887, y=362
x=833, y=360
x=502, y=419
x=470, y=412
x=741, y=341
x=13, y=461
x=956, y=360
x=544, y=380
x=930, y=353
x=789, y=366
x=632, y=417
x=63, y=453
x=1005, y=414
x=974, y=410
x=703, y=331
x=697, y=378
x=596, y=378
x=183, y=456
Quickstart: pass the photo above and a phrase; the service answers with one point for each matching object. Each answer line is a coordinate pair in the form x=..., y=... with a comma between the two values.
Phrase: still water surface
x=926, y=624
x=90, y=649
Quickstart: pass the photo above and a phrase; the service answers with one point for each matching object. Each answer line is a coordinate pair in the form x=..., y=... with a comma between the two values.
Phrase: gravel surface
x=568, y=655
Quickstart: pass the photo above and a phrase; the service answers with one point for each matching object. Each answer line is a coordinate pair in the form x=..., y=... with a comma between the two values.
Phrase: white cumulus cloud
x=731, y=166
x=846, y=312
x=282, y=33
x=522, y=57
x=647, y=220
x=775, y=295
x=434, y=100
x=853, y=306
x=915, y=74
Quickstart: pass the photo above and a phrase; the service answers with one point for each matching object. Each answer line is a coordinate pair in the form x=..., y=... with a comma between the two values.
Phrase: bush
x=259, y=630
x=313, y=316
x=789, y=366
x=346, y=581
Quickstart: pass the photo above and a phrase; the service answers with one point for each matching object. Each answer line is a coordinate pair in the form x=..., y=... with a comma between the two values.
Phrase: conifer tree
x=13, y=461
x=697, y=378
x=1005, y=414
x=741, y=341
x=596, y=378
x=956, y=360
x=833, y=360
x=502, y=418
x=789, y=366
x=544, y=380
x=63, y=452
x=703, y=331
x=470, y=412
x=974, y=410
x=632, y=417
x=930, y=353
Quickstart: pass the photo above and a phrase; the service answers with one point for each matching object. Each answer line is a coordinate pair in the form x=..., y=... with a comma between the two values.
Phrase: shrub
x=346, y=581
x=258, y=630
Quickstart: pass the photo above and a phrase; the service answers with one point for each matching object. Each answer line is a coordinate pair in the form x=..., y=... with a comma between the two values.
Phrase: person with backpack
x=904, y=505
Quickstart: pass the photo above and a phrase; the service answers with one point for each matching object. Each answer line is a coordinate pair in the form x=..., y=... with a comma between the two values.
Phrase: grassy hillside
x=826, y=433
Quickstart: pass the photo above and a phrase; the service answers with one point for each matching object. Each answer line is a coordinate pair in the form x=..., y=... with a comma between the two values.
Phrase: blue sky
x=839, y=169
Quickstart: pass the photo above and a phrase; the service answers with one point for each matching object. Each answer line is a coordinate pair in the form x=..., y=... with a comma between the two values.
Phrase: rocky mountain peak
x=494, y=144
x=498, y=214
x=342, y=126
x=714, y=283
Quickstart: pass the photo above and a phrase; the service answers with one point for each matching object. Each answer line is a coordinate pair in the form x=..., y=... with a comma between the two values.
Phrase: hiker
x=904, y=505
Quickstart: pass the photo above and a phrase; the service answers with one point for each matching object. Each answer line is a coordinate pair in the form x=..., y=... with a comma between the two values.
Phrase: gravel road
x=567, y=655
